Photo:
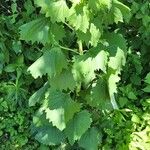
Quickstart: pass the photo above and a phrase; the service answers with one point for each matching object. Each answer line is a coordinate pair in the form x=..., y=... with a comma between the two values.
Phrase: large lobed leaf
x=60, y=109
x=78, y=126
x=52, y=62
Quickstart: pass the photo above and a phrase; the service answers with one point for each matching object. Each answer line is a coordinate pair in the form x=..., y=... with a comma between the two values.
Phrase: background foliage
x=83, y=68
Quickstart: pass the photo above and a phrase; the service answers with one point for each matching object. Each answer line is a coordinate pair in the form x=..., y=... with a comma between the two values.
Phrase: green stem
x=68, y=25
x=80, y=47
x=68, y=49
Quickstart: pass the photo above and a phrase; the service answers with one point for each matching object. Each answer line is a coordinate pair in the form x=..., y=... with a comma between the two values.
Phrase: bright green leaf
x=58, y=10
x=61, y=108
x=52, y=62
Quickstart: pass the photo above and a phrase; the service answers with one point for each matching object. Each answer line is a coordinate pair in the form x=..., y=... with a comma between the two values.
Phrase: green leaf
x=112, y=81
x=118, y=61
x=112, y=85
x=52, y=62
x=38, y=95
x=115, y=42
x=117, y=15
x=147, y=78
x=147, y=89
x=99, y=96
x=78, y=126
x=63, y=81
x=60, y=109
x=124, y=10
x=85, y=65
x=79, y=19
x=90, y=139
x=95, y=35
x=58, y=10
x=49, y=135
x=36, y=30
x=100, y=4
x=83, y=70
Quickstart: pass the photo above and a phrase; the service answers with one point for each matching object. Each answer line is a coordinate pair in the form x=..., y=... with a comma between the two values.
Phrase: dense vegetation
x=74, y=74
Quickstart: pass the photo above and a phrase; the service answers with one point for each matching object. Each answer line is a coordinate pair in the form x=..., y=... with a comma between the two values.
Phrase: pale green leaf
x=58, y=10
x=118, y=61
x=52, y=62
x=112, y=83
x=63, y=81
x=60, y=109
x=38, y=95
x=125, y=10
x=83, y=70
x=95, y=35
x=90, y=139
x=79, y=20
x=85, y=65
x=117, y=15
x=78, y=126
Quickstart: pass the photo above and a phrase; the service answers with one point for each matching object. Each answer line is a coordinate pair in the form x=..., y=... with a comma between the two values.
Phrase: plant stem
x=68, y=49
x=80, y=47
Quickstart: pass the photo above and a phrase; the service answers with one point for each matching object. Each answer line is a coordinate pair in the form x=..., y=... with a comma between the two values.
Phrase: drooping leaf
x=52, y=62
x=56, y=10
x=38, y=95
x=61, y=108
x=78, y=126
x=49, y=135
x=63, y=81
x=90, y=139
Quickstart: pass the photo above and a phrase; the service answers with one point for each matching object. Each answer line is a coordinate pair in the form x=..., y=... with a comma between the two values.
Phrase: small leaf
x=147, y=89
x=147, y=78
